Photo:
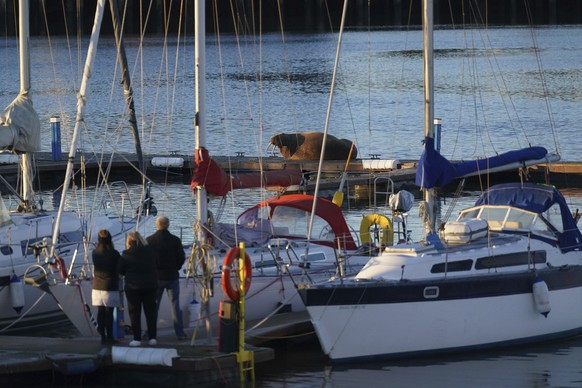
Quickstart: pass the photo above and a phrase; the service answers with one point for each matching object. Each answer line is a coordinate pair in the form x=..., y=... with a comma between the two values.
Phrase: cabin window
x=313, y=257
x=298, y=220
x=517, y=219
x=472, y=213
x=511, y=259
x=6, y=250
x=452, y=266
x=257, y=218
x=554, y=216
x=502, y=217
x=495, y=216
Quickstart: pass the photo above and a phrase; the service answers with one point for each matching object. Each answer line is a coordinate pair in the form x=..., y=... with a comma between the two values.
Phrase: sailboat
x=507, y=271
x=36, y=243
x=282, y=251
x=287, y=239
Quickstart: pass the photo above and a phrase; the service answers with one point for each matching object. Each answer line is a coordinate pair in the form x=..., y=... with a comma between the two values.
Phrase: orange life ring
x=231, y=291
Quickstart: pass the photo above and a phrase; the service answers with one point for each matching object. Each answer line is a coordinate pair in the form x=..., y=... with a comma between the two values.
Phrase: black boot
x=101, y=324
x=109, y=326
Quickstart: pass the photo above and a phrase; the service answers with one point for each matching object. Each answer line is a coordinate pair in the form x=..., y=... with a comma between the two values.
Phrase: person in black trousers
x=105, y=292
x=171, y=257
x=138, y=265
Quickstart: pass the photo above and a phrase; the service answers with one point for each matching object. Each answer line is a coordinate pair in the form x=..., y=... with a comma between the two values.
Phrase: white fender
x=541, y=296
x=16, y=293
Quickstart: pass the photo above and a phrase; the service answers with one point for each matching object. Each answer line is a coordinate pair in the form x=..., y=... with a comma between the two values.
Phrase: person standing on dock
x=138, y=265
x=171, y=257
x=105, y=292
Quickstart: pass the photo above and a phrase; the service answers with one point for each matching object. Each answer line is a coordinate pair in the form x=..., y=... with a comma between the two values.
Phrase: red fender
x=232, y=291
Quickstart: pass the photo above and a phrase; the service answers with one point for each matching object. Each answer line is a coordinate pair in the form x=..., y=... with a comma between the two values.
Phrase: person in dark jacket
x=138, y=265
x=171, y=257
x=105, y=292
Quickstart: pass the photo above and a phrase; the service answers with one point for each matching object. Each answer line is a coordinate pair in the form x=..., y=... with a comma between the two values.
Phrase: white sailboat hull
x=271, y=291
x=405, y=329
x=40, y=311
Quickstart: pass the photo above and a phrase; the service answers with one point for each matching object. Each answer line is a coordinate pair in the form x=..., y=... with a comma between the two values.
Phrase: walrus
x=307, y=146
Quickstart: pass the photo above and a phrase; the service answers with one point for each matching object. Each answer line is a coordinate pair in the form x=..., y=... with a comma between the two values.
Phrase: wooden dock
x=124, y=166
x=69, y=358
x=34, y=361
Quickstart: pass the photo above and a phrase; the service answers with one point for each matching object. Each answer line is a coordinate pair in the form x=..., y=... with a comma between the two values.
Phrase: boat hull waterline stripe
x=378, y=292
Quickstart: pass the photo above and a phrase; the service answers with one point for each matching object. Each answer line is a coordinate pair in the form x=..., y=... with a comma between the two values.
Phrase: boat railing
x=117, y=199
x=389, y=190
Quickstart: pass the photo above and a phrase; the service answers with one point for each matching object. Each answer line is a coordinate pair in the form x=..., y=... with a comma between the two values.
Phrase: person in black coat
x=171, y=257
x=138, y=265
x=105, y=292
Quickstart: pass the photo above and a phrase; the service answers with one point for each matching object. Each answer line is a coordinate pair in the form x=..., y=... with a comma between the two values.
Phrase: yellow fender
x=381, y=221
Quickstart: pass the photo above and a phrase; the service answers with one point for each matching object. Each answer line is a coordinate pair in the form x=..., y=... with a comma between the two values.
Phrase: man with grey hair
x=171, y=257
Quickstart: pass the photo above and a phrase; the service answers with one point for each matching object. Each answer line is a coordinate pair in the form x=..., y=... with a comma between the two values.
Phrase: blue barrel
x=56, y=132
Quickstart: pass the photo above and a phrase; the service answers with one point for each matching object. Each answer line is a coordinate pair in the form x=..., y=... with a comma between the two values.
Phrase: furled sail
x=434, y=170
x=20, y=126
x=209, y=174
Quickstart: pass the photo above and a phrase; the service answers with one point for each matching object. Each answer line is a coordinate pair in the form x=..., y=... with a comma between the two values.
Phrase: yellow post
x=245, y=359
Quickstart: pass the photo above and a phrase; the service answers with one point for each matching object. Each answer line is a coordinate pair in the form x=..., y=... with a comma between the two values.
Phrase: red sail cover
x=209, y=174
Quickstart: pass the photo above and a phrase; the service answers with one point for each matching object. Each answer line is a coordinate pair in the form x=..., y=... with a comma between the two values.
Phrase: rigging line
x=537, y=54
x=271, y=314
x=243, y=70
x=369, y=72
x=287, y=69
x=51, y=52
x=225, y=112
x=492, y=59
x=327, y=116
x=345, y=90
x=24, y=314
x=170, y=97
x=139, y=62
x=176, y=64
x=454, y=201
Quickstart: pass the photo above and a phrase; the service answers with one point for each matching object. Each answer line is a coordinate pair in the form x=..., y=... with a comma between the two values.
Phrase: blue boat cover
x=536, y=198
x=434, y=170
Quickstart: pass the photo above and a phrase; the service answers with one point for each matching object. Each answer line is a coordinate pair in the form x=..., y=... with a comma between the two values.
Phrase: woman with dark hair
x=105, y=293
x=138, y=265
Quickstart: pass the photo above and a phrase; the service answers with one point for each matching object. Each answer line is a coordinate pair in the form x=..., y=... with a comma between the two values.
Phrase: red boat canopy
x=209, y=174
x=293, y=211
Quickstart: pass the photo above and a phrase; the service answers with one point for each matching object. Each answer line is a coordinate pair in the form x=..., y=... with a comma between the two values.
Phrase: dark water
x=256, y=91
x=555, y=364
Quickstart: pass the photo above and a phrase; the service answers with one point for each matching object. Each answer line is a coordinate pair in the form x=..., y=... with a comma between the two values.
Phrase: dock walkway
x=34, y=361
x=30, y=361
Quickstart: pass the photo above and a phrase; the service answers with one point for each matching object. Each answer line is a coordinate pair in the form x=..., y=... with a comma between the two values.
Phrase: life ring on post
x=233, y=291
x=377, y=220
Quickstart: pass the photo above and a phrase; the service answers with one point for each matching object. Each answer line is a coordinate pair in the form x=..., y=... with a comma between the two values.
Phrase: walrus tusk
x=267, y=149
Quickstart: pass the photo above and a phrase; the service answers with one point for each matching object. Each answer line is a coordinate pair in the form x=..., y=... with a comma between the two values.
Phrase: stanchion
x=245, y=358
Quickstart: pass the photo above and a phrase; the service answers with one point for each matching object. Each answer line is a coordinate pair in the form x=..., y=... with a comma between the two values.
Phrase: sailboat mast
x=126, y=80
x=428, y=49
x=82, y=97
x=24, y=41
x=200, y=117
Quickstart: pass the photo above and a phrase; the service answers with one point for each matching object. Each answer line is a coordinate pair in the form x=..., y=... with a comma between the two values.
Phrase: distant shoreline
x=297, y=16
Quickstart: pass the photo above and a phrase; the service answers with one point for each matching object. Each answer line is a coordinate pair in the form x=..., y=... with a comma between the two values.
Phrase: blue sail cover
x=434, y=170
x=536, y=198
